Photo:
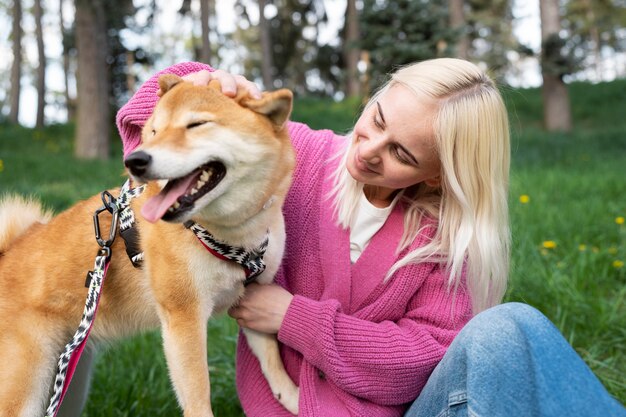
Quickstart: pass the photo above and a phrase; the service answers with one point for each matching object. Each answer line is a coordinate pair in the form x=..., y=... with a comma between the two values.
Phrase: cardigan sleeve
x=132, y=116
x=387, y=362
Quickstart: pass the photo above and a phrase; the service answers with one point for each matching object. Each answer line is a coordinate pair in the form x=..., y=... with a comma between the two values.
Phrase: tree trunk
x=16, y=67
x=92, y=125
x=351, y=51
x=458, y=23
x=41, y=69
x=556, y=105
x=267, y=58
x=205, y=16
x=69, y=103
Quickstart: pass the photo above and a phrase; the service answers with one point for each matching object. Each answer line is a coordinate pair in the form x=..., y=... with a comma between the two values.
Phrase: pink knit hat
x=133, y=115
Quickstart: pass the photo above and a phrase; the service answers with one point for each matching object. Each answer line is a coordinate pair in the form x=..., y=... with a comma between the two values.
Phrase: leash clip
x=109, y=204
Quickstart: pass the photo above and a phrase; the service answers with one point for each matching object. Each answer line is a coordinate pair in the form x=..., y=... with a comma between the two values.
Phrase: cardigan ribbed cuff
x=303, y=325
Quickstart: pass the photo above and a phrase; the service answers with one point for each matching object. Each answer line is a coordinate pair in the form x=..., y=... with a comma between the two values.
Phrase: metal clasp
x=109, y=204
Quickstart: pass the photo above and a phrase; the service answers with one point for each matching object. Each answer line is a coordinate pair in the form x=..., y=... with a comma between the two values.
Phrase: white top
x=369, y=220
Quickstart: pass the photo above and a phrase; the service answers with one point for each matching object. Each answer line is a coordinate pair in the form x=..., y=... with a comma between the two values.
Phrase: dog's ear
x=167, y=82
x=276, y=105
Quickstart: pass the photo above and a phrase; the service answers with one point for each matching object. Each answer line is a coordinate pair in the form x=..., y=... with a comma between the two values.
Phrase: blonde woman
x=397, y=235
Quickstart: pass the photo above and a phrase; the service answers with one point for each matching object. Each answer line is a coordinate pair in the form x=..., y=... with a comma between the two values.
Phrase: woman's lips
x=361, y=164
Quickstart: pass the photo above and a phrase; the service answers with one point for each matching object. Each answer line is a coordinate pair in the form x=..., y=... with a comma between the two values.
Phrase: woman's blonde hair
x=472, y=140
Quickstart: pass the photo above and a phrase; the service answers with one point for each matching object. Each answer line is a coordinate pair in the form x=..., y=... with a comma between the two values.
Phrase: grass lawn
x=567, y=205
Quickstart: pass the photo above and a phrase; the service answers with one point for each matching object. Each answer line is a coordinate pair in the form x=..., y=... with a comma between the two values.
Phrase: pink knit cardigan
x=355, y=345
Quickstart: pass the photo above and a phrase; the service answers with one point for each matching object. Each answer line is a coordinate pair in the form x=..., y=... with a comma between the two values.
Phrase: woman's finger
x=199, y=78
x=227, y=81
x=252, y=88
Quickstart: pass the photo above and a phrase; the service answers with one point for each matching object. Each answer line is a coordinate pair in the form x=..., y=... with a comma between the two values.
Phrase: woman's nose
x=370, y=150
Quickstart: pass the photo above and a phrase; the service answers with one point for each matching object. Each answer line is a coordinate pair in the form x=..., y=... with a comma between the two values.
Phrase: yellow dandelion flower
x=549, y=244
x=612, y=250
x=1, y=165
x=618, y=264
x=618, y=220
x=524, y=199
x=582, y=247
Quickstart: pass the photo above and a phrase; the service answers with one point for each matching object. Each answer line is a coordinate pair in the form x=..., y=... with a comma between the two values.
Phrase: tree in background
x=93, y=81
x=67, y=40
x=490, y=33
x=102, y=70
x=41, y=65
x=292, y=51
x=351, y=50
x=207, y=9
x=16, y=66
x=556, y=104
x=459, y=24
x=403, y=31
x=202, y=50
x=594, y=26
x=294, y=32
x=265, y=40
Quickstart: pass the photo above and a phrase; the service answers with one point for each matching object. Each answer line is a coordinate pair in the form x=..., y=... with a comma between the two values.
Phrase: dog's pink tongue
x=156, y=206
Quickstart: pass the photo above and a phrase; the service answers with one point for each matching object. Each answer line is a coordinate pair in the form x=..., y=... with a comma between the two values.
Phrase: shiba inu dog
x=223, y=164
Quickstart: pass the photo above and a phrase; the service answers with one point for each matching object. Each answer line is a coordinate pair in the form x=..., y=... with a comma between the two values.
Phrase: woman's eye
x=377, y=123
x=196, y=124
x=400, y=157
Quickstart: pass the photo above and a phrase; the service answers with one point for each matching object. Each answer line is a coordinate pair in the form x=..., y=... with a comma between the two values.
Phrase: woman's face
x=394, y=144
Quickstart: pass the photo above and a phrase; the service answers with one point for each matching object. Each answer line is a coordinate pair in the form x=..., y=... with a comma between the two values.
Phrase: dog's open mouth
x=180, y=194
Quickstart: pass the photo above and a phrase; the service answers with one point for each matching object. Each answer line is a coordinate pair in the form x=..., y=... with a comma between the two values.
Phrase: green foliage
x=296, y=53
x=490, y=24
x=557, y=57
x=400, y=32
x=588, y=22
x=569, y=244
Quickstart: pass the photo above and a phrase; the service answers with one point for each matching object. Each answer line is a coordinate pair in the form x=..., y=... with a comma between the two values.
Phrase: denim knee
x=502, y=325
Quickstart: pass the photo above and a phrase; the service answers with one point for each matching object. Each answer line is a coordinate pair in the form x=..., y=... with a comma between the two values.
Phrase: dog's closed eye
x=196, y=124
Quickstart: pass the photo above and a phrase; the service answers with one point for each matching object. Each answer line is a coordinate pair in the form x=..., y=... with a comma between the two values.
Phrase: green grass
x=576, y=189
x=577, y=194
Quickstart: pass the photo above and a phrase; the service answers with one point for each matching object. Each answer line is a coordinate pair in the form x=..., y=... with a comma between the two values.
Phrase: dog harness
x=251, y=261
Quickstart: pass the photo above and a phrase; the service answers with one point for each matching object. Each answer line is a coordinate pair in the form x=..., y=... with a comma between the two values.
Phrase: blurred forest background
x=110, y=46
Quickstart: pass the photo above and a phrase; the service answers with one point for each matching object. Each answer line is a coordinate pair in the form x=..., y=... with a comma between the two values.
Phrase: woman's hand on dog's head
x=231, y=83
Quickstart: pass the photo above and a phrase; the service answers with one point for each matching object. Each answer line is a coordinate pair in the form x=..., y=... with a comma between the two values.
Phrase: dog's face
x=211, y=155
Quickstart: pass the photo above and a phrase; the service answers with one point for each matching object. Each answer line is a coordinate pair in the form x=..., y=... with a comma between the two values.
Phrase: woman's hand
x=262, y=308
x=230, y=83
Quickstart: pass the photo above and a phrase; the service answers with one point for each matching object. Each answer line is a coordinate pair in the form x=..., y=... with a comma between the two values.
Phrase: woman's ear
x=434, y=182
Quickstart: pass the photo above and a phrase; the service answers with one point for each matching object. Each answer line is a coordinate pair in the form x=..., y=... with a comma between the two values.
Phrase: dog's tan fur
x=43, y=265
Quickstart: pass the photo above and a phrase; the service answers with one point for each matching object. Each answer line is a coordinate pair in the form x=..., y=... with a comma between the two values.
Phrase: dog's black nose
x=138, y=162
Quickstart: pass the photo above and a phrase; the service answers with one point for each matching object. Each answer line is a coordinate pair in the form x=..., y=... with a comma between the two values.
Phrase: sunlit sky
x=167, y=31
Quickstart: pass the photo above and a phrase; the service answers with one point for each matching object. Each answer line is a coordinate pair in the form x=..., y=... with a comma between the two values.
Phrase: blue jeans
x=511, y=361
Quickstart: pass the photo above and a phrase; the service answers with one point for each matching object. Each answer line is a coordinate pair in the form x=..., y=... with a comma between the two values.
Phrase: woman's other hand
x=231, y=83
x=262, y=308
